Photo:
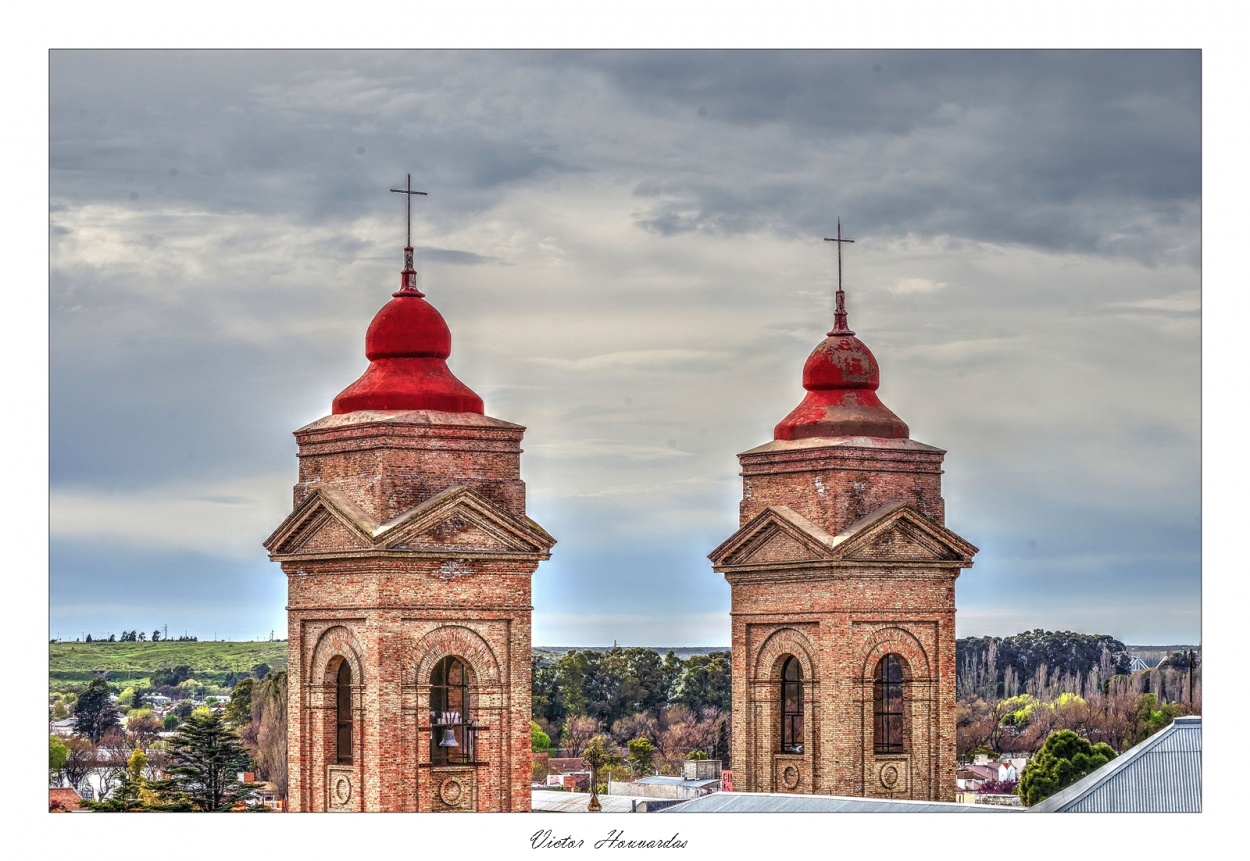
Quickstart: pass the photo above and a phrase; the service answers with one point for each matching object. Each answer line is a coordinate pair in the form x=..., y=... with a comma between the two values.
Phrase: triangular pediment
x=326, y=521
x=900, y=533
x=458, y=521
x=775, y=535
x=896, y=533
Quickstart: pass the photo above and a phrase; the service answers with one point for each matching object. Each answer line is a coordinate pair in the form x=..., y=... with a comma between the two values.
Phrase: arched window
x=453, y=731
x=343, y=715
x=887, y=706
x=791, y=706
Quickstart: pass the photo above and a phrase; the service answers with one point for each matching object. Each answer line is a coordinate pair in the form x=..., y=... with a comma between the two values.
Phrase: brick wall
x=839, y=618
x=392, y=614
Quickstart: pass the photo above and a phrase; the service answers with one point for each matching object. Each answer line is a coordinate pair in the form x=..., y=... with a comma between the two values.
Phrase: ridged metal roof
x=1163, y=774
x=776, y=802
x=556, y=801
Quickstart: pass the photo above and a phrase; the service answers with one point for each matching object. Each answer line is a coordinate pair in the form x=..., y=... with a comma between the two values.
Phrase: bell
x=449, y=738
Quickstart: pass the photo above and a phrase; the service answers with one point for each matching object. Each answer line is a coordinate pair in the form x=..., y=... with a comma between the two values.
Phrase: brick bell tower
x=842, y=581
x=408, y=559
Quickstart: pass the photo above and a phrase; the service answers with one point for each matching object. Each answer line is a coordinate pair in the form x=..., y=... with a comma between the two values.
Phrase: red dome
x=841, y=377
x=407, y=345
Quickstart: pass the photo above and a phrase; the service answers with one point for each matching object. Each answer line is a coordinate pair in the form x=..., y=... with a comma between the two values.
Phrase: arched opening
x=887, y=706
x=791, y=706
x=343, y=714
x=453, y=731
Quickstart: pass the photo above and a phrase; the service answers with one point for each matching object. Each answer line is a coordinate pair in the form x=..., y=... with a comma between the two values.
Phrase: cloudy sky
x=628, y=250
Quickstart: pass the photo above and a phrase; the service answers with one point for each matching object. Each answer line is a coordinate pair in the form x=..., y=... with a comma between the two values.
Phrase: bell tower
x=408, y=557
x=842, y=582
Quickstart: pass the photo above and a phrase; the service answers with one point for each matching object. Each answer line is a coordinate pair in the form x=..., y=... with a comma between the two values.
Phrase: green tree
x=94, y=714
x=204, y=759
x=170, y=722
x=57, y=754
x=641, y=755
x=539, y=740
x=1064, y=759
x=599, y=752
x=1149, y=717
x=171, y=676
x=239, y=709
x=705, y=682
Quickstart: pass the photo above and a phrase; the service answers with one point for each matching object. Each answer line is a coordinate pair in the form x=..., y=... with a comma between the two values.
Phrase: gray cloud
x=627, y=247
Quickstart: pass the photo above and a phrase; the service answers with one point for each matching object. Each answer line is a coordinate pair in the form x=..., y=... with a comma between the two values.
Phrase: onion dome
x=407, y=345
x=841, y=377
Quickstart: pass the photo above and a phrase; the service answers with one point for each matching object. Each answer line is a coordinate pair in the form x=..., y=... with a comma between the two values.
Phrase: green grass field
x=72, y=664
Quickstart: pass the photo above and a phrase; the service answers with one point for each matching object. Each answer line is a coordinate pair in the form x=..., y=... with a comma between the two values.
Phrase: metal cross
x=840, y=326
x=408, y=191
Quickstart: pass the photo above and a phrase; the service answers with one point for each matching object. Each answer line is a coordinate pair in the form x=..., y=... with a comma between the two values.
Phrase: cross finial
x=840, y=326
x=408, y=284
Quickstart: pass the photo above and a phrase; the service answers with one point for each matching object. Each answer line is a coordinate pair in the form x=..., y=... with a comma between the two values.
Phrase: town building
x=408, y=558
x=842, y=580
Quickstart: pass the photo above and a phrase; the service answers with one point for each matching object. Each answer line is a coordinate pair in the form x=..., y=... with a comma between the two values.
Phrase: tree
x=171, y=676
x=156, y=635
x=265, y=734
x=132, y=792
x=94, y=714
x=259, y=671
x=239, y=709
x=599, y=752
x=578, y=731
x=1064, y=758
x=204, y=759
x=79, y=762
x=144, y=728
x=539, y=740
x=57, y=754
x=641, y=755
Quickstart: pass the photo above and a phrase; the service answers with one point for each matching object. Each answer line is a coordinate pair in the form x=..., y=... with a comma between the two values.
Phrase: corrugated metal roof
x=1163, y=774
x=554, y=801
x=776, y=802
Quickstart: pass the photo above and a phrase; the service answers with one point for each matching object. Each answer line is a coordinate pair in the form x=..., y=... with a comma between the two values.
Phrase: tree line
x=137, y=636
x=636, y=710
x=1016, y=692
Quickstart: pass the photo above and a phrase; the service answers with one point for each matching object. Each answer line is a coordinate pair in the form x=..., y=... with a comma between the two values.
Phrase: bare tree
x=578, y=731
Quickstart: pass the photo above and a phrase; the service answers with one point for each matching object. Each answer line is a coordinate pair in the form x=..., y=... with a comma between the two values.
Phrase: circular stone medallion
x=790, y=777
x=342, y=789
x=889, y=776
x=450, y=791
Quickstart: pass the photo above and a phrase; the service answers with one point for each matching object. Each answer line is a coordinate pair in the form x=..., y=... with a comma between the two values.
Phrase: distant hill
x=209, y=662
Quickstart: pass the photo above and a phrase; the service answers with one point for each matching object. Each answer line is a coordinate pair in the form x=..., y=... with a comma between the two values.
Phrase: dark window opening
x=343, y=715
x=453, y=731
x=887, y=706
x=791, y=706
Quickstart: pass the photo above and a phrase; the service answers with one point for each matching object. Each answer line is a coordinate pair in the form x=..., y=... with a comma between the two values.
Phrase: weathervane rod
x=840, y=326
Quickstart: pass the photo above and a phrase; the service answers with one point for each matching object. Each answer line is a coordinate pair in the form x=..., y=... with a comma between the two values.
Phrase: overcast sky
x=628, y=250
